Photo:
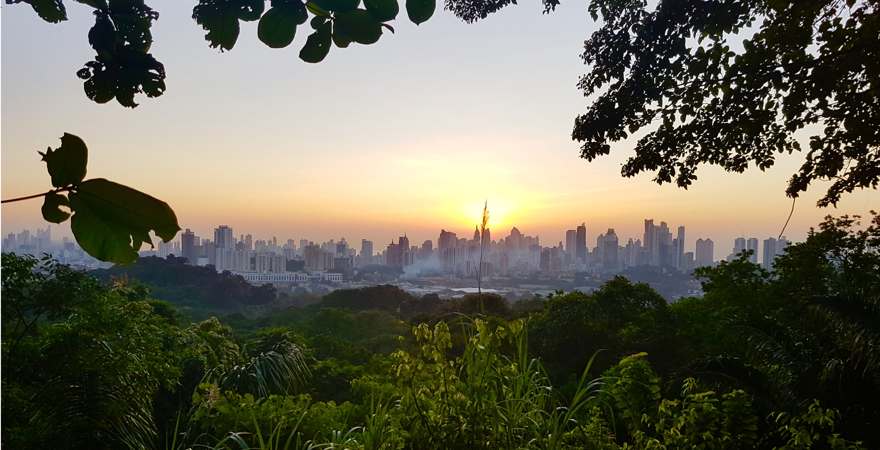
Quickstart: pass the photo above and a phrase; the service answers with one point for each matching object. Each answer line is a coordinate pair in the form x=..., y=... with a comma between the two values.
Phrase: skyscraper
x=781, y=244
x=663, y=243
x=609, y=250
x=739, y=246
x=366, y=248
x=705, y=252
x=223, y=237
x=679, y=249
x=752, y=244
x=649, y=239
x=769, y=253
x=581, y=243
x=188, y=247
x=571, y=242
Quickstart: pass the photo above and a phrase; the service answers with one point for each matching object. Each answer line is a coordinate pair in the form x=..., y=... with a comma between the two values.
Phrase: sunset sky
x=408, y=135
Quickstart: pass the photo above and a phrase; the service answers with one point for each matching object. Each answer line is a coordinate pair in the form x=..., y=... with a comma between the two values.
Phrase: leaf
x=317, y=45
x=111, y=221
x=49, y=10
x=220, y=20
x=317, y=10
x=420, y=11
x=341, y=41
x=51, y=207
x=382, y=10
x=67, y=164
x=358, y=26
x=102, y=36
x=224, y=34
x=277, y=27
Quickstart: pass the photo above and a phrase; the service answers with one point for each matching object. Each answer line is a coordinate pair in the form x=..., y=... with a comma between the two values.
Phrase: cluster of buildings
x=771, y=249
x=40, y=242
x=267, y=261
x=517, y=254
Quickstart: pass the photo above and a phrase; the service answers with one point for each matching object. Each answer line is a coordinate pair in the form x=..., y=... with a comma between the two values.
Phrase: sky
x=409, y=135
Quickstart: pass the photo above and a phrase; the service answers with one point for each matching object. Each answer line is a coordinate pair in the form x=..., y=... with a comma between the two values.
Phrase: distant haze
x=409, y=135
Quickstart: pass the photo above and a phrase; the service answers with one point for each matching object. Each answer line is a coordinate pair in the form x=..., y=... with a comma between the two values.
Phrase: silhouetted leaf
x=317, y=10
x=382, y=10
x=277, y=27
x=317, y=45
x=67, y=164
x=220, y=19
x=420, y=10
x=102, y=36
x=111, y=221
x=357, y=26
x=341, y=41
x=51, y=208
x=49, y=10
x=122, y=75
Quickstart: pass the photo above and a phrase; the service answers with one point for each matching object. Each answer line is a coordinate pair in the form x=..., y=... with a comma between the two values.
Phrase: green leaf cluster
x=121, y=36
x=110, y=221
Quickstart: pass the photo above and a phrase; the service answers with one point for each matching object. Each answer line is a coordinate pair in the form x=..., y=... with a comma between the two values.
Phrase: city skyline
x=224, y=236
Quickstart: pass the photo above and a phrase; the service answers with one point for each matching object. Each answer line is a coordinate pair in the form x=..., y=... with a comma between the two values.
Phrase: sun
x=499, y=213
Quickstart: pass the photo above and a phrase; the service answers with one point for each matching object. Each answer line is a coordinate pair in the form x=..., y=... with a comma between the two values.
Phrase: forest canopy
x=778, y=360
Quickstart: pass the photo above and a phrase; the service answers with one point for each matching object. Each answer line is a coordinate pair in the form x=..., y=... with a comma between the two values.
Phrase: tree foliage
x=734, y=83
x=731, y=83
x=781, y=359
x=121, y=37
x=195, y=290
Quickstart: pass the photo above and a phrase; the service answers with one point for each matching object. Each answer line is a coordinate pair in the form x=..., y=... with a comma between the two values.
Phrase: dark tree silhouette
x=121, y=37
x=731, y=83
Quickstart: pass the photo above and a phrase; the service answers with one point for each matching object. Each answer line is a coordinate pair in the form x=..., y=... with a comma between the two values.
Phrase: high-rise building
x=393, y=255
x=426, y=251
x=752, y=244
x=663, y=242
x=268, y=262
x=782, y=244
x=223, y=237
x=581, y=243
x=366, y=248
x=631, y=253
x=571, y=242
x=739, y=246
x=705, y=253
x=769, y=253
x=609, y=250
x=317, y=258
x=341, y=248
x=652, y=256
x=679, y=249
x=688, y=263
x=188, y=246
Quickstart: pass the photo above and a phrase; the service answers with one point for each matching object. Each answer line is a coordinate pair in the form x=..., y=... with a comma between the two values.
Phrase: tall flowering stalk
x=483, y=224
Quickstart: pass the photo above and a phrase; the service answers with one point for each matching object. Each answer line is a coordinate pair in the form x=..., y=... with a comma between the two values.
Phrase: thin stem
x=28, y=197
x=787, y=220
